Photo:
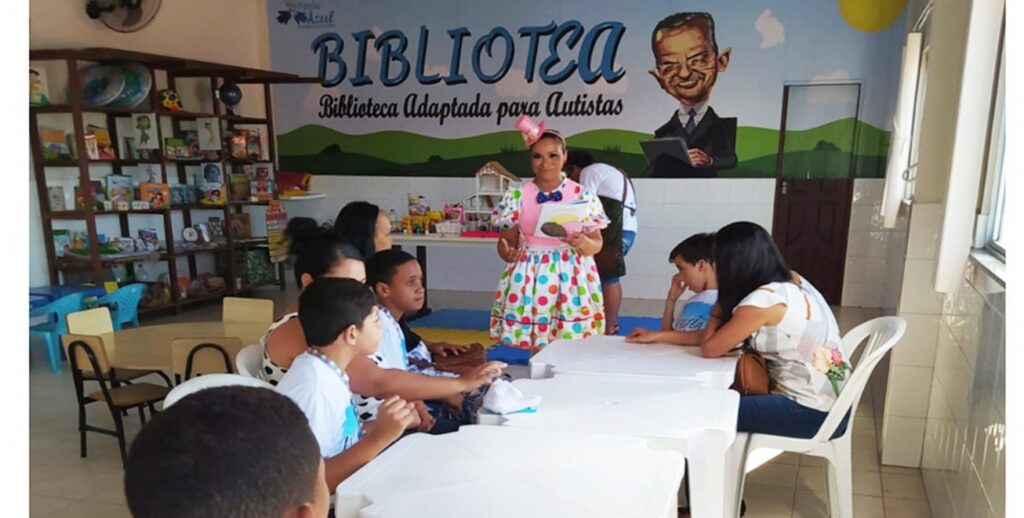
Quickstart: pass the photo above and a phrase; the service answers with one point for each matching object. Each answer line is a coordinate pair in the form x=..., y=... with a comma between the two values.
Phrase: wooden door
x=814, y=181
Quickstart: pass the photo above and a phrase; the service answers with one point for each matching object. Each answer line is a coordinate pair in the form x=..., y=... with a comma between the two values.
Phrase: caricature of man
x=687, y=63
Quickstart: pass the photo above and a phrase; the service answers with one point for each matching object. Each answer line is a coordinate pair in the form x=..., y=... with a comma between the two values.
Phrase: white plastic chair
x=881, y=334
x=209, y=381
x=249, y=361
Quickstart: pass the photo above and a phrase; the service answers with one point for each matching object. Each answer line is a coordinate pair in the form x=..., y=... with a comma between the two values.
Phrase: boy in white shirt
x=339, y=319
x=692, y=258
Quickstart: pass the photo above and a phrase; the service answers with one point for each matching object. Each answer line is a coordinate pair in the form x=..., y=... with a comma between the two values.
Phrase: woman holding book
x=550, y=289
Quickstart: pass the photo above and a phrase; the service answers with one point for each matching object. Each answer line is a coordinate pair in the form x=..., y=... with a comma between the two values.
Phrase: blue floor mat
x=479, y=320
x=509, y=355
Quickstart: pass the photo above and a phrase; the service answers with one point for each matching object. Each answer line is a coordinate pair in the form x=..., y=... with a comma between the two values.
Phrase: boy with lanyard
x=340, y=322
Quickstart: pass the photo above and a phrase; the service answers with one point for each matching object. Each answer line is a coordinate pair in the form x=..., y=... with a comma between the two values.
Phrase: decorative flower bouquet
x=830, y=362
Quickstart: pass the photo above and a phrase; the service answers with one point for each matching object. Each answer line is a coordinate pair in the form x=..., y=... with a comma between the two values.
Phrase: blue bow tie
x=555, y=196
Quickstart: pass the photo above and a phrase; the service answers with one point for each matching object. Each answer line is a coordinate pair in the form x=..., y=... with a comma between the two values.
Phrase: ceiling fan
x=123, y=15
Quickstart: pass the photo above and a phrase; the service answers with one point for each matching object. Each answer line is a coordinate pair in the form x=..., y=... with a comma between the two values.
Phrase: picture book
x=145, y=128
x=175, y=148
x=253, y=145
x=56, y=195
x=212, y=172
x=241, y=225
x=150, y=238
x=216, y=228
x=239, y=141
x=148, y=173
x=157, y=194
x=249, y=170
x=61, y=242
x=99, y=195
x=38, y=89
x=264, y=171
x=103, y=142
x=178, y=195
x=564, y=219
x=191, y=139
x=209, y=133
x=92, y=150
x=262, y=190
x=239, y=187
x=211, y=194
x=119, y=188
x=55, y=144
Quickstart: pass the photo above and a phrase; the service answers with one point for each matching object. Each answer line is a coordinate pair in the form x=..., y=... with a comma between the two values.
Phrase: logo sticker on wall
x=306, y=15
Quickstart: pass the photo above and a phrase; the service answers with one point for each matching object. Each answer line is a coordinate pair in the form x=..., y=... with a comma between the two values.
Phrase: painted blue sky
x=773, y=42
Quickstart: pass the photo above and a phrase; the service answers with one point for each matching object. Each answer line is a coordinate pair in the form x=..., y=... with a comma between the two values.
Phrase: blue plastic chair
x=56, y=325
x=123, y=304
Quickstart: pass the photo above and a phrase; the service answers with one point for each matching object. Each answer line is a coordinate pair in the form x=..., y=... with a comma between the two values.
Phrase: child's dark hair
x=328, y=306
x=384, y=266
x=315, y=249
x=196, y=458
x=746, y=258
x=694, y=248
x=579, y=158
x=357, y=224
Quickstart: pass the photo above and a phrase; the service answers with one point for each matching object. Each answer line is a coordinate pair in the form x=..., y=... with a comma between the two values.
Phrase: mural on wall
x=433, y=89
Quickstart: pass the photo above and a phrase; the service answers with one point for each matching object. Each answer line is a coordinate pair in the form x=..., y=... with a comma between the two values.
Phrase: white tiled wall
x=874, y=255
x=964, y=454
x=669, y=211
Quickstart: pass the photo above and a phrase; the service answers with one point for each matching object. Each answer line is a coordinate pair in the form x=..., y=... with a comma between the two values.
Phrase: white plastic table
x=611, y=355
x=514, y=472
x=675, y=414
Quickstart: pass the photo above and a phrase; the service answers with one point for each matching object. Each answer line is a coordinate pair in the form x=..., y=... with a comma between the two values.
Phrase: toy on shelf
x=492, y=180
x=170, y=100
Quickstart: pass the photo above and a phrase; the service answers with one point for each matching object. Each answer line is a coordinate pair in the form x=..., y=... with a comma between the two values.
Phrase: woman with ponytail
x=317, y=253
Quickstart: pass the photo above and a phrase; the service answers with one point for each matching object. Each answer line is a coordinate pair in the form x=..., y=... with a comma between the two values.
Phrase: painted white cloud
x=514, y=85
x=773, y=33
x=603, y=87
x=837, y=95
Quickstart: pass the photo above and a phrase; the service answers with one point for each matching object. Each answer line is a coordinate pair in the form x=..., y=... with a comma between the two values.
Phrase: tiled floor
x=64, y=485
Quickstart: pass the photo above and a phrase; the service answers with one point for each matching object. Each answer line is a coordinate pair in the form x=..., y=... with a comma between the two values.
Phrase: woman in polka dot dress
x=550, y=289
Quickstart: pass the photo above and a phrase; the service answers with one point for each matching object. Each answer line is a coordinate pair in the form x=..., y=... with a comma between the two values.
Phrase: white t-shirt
x=605, y=180
x=797, y=348
x=326, y=400
x=390, y=355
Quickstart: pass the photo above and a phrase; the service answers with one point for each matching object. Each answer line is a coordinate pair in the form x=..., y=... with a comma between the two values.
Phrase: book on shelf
x=149, y=238
x=241, y=226
x=175, y=149
x=239, y=141
x=216, y=228
x=92, y=150
x=253, y=145
x=239, y=187
x=104, y=145
x=99, y=195
x=261, y=190
x=55, y=142
x=56, y=195
x=209, y=133
x=39, y=90
x=211, y=194
x=157, y=194
x=61, y=242
x=148, y=173
x=120, y=188
x=144, y=126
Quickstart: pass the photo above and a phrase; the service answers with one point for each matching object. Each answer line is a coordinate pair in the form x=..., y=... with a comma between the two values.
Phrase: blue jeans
x=778, y=415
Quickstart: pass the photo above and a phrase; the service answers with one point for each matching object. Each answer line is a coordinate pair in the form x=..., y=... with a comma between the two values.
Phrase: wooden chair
x=96, y=322
x=237, y=309
x=88, y=352
x=196, y=356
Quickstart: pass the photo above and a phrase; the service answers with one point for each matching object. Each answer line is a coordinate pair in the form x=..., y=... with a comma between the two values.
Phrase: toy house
x=492, y=180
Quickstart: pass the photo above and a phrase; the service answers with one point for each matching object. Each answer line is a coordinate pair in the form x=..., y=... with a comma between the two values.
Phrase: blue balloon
x=230, y=94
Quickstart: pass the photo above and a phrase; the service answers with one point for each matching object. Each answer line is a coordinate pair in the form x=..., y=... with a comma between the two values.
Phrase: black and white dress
x=271, y=372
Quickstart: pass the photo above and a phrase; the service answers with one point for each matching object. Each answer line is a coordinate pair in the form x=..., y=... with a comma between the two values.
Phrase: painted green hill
x=402, y=147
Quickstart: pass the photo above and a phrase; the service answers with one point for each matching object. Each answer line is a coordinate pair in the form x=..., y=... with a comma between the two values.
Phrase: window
x=996, y=196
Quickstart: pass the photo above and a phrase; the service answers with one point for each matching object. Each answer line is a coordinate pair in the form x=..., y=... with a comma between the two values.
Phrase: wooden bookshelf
x=173, y=68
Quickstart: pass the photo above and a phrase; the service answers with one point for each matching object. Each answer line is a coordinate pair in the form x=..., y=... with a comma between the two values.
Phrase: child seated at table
x=693, y=260
x=397, y=279
x=178, y=463
x=341, y=323
x=387, y=372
